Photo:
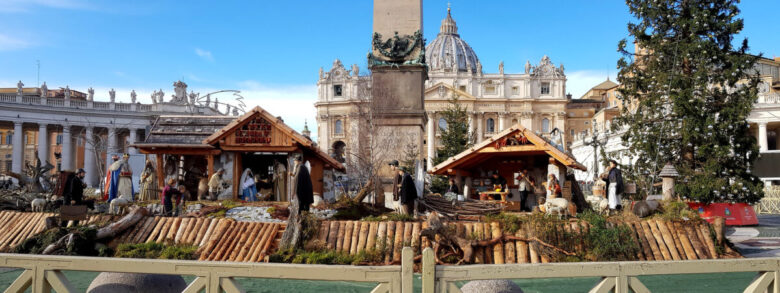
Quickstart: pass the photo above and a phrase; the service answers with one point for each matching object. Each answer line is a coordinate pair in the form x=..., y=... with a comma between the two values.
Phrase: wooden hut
x=255, y=140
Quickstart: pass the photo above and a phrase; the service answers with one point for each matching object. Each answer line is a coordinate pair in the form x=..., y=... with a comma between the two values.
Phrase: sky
x=272, y=50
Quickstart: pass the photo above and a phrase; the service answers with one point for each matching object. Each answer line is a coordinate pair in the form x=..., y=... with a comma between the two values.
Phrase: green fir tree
x=686, y=92
x=454, y=137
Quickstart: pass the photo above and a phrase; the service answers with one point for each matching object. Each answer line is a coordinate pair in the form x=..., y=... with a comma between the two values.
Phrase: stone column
x=471, y=124
x=479, y=127
x=501, y=124
x=17, y=157
x=133, y=140
x=763, y=145
x=431, y=139
x=67, y=149
x=112, y=141
x=89, y=157
x=43, y=143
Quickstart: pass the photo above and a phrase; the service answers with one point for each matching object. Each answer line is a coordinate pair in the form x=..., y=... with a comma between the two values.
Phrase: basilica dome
x=448, y=52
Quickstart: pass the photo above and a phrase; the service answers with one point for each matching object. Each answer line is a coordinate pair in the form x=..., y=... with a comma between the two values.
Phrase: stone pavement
x=757, y=241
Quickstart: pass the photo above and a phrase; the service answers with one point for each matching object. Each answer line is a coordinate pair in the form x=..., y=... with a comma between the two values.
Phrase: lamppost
x=594, y=141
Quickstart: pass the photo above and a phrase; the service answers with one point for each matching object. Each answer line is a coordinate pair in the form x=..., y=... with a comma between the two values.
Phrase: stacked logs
x=217, y=239
x=656, y=239
x=468, y=207
x=16, y=227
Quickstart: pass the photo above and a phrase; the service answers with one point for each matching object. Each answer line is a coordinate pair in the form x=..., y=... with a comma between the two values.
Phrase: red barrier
x=736, y=214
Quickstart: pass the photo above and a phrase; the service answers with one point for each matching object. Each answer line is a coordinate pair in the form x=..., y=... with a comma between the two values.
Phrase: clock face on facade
x=442, y=124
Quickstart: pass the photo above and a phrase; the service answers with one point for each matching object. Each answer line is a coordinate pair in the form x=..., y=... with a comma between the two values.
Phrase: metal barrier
x=44, y=273
x=617, y=277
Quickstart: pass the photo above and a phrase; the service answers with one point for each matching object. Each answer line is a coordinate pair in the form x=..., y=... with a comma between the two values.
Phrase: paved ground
x=758, y=241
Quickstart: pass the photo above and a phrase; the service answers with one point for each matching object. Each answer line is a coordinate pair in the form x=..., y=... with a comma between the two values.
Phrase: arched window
x=491, y=125
x=545, y=125
x=442, y=124
x=338, y=128
x=339, y=151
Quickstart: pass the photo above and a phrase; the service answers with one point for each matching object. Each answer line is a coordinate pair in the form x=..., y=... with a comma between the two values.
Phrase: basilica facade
x=535, y=98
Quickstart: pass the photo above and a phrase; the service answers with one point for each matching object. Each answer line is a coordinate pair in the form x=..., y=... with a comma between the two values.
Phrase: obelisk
x=398, y=70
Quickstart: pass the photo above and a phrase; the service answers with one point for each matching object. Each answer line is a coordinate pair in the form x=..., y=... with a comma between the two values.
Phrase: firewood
x=659, y=240
x=122, y=224
x=240, y=250
x=707, y=236
x=381, y=236
x=389, y=240
x=424, y=241
x=398, y=242
x=498, y=249
x=322, y=232
x=167, y=222
x=333, y=232
x=346, y=243
x=651, y=240
x=668, y=239
x=686, y=243
x=340, y=236
x=698, y=246
x=521, y=247
x=371, y=236
x=257, y=245
x=361, y=238
x=267, y=245
x=156, y=230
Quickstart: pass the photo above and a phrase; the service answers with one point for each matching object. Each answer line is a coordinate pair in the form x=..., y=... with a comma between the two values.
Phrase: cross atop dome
x=448, y=25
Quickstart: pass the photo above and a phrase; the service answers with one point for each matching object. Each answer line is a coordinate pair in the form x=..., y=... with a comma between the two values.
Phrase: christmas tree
x=686, y=93
x=454, y=137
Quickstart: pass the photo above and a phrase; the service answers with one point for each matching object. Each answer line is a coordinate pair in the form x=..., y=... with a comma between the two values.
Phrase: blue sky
x=272, y=50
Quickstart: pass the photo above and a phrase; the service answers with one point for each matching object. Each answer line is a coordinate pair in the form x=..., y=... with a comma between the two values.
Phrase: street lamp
x=594, y=141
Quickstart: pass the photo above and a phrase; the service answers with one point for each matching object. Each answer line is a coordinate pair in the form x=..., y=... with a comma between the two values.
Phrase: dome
x=448, y=49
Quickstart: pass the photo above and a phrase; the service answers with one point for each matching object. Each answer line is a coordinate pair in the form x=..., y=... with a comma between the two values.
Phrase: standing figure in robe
x=280, y=181
x=248, y=186
x=121, y=179
x=109, y=186
x=149, y=190
x=302, y=186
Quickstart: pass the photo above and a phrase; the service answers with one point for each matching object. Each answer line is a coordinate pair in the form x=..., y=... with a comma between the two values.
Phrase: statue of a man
x=132, y=96
x=67, y=92
x=216, y=104
x=501, y=67
x=91, y=94
x=19, y=87
x=479, y=67
x=112, y=95
x=44, y=90
x=355, y=70
x=527, y=66
x=193, y=97
x=208, y=100
x=154, y=97
x=322, y=74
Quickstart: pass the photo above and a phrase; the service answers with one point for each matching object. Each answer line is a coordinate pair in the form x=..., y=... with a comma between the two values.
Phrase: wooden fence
x=770, y=204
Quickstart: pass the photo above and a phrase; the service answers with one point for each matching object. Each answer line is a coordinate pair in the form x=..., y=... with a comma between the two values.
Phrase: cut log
x=184, y=226
x=381, y=237
x=221, y=241
x=668, y=239
x=353, y=245
x=479, y=252
x=677, y=243
x=26, y=229
x=686, y=243
x=148, y=227
x=390, y=240
x=333, y=233
x=17, y=225
x=233, y=242
x=201, y=232
x=340, y=236
x=424, y=241
x=125, y=222
x=651, y=240
x=707, y=236
x=521, y=247
x=240, y=250
x=190, y=239
x=371, y=236
x=156, y=230
x=639, y=254
x=257, y=247
x=209, y=231
x=267, y=246
x=322, y=232
x=487, y=233
x=509, y=252
x=498, y=248
x=398, y=242
x=698, y=246
x=362, y=237
x=416, y=229
x=166, y=225
x=228, y=244
x=346, y=241
x=659, y=239
x=212, y=238
x=407, y=235
x=174, y=229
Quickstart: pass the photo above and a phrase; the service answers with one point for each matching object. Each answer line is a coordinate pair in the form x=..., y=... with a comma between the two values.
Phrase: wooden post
x=160, y=177
x=210, y=164
x=236, y=174
x=428, y=270
x=407, y=270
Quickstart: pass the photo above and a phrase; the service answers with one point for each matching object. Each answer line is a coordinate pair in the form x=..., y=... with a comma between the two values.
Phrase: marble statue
x=216, y=104
x=355, y=70
x=67, y=92
x=132, y=96
x=160, y=96
x=91, y=94
x=193, y=98
x=208, y=100
x=112, y=95
x=527, y=66
x=19, y=87
x=322, y=74
x=44, y=90
x=479, y=67
x=154, y=97
x=501, y=67
x=561, y=67
x=180, y=93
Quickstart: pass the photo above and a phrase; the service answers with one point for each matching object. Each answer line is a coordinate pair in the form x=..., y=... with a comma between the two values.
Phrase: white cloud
x=205, y=55
x=28, y=5
x=9, y=43
x=579, y=82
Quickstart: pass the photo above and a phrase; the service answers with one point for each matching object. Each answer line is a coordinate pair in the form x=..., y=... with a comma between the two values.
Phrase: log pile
x=456, y=209
x=656, y=240
x=15, y=227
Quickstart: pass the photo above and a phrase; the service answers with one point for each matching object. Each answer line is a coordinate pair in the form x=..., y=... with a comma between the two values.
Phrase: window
x=59, y=139
x=337, y=90
x=545, y=125
x=442, y=124
x=338, y=128
x=491, y=125
x=490, y=89
x=571, y=133
x=462, y=88
x=9, y=165
x=9, y=138
x=545, y=88
x=515, y=90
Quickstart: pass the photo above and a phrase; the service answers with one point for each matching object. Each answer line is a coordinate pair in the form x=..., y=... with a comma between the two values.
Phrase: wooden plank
x=686, y=243
x=707, y=236
x=390, y=240
x=362, y=237
x=398, y=242
x=332, y=234
x=498, y=249
x=416, y=230
x=668, y=239
x=659, y=239
x=371, y=238
x=651, y=240
x=346, y=241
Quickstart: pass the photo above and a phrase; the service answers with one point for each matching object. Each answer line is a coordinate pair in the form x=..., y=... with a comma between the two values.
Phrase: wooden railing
x=770, y=203
x=45, y=273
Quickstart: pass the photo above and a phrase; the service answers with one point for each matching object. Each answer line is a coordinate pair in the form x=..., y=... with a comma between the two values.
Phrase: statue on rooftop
x=44, y=90
x=180, y=93
x=527, y=66
x=501, y=67
x=112, y=95
x=91, y=94
x=132, y=96
x=19, y=87
x=67, y=92
x=154, y=97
